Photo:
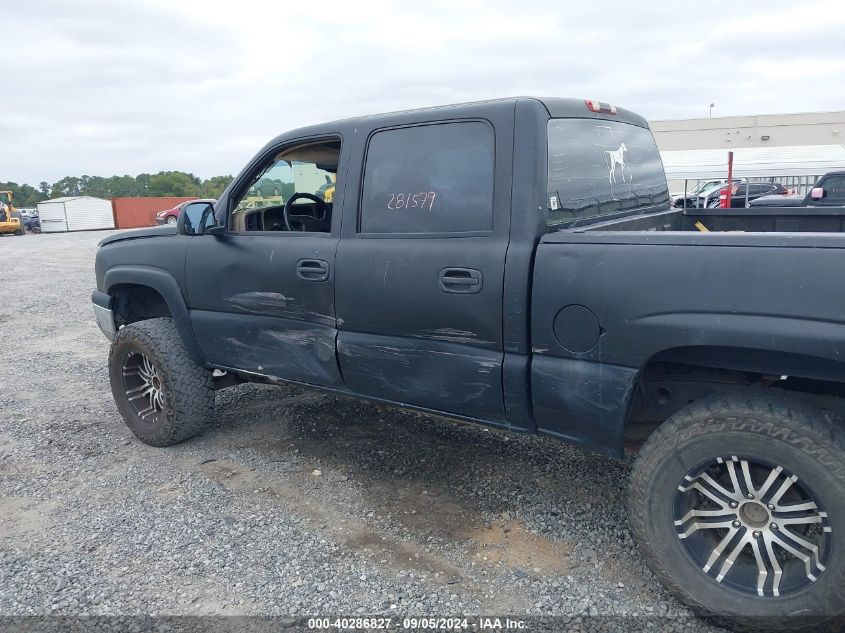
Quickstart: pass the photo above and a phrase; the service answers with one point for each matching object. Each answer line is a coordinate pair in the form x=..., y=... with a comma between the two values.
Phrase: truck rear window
x=599, y=168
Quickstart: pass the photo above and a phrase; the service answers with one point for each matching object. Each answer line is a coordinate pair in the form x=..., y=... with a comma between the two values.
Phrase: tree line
x=164, y=183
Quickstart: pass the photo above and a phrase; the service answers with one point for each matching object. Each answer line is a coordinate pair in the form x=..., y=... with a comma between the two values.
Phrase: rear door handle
x=312, y=270
x=461, y=280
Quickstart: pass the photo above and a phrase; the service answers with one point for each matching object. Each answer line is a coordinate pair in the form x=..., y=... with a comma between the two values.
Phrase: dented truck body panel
x=403, y=335
x=411, y=371
x=737, y=299
x=279, y=347
x=509, y=323
x=250, y=310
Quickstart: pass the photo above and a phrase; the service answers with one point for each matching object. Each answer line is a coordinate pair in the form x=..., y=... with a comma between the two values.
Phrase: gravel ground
x=293, y=503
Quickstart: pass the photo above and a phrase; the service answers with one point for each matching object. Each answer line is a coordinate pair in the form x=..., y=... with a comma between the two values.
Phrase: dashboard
x=273, y=218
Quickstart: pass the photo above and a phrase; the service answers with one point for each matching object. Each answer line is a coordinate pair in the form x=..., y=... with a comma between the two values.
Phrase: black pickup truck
x=517, y=263
x=829, y=191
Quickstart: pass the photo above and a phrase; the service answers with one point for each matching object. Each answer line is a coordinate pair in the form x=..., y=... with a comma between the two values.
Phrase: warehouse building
x=793, y=149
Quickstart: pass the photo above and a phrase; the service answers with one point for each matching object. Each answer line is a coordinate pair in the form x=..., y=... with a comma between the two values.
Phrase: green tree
x=174, y=183
x=22, y=195
x=67, y=186
x=213, y=187
x=165, y=183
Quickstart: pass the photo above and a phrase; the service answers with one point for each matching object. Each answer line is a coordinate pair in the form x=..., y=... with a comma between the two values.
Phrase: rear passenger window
x=429, y=179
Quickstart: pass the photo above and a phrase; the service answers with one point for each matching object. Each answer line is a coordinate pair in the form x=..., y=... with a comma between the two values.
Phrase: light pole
x=712, y=105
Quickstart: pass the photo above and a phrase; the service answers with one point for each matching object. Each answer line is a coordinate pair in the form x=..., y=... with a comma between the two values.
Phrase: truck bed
x=751, y=220
x=759, y=293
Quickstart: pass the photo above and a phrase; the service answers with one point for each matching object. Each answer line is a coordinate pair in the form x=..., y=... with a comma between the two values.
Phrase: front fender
x=162, y=282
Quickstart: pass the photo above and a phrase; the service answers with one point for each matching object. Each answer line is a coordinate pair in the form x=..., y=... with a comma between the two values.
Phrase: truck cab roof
x=556, y=107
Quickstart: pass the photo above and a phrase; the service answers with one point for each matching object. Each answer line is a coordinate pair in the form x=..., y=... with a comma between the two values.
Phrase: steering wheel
x=307, y=222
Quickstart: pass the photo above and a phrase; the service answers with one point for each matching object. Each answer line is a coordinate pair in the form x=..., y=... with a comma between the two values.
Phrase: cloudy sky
x=104, y=87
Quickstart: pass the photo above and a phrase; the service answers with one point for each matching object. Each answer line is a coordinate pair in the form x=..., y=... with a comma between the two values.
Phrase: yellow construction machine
x=11, y=220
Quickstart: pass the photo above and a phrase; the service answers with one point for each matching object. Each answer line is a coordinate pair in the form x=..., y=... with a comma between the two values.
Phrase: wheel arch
x=676, y=377
x=159, y=291
x=752, y=359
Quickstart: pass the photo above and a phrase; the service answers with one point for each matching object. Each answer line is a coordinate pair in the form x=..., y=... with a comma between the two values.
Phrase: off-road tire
x=807, y=441
x=187, y=387
x=22, y=230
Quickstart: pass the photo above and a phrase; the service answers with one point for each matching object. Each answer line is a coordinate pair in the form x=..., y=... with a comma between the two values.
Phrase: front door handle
x=312, y=270
x=461, y=280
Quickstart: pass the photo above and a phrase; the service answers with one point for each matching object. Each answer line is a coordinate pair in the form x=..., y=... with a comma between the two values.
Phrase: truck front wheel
x=737, y=505
x=162, y=394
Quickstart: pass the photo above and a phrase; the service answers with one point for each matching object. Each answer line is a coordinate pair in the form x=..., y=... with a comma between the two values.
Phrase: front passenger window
x=293, y=192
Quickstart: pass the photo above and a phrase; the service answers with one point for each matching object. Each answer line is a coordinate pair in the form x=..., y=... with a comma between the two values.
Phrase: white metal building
x=77, y=213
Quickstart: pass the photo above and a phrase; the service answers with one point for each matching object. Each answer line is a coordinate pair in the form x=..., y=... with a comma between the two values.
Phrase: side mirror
x=197, y=218
x=817, y=193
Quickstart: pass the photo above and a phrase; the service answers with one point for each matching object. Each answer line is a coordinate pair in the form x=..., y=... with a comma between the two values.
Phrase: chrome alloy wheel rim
x=753, y=526
x=143, y=387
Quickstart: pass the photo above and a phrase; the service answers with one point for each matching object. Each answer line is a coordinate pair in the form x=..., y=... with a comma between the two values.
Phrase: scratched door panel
x=424, y=372
x=420, y=269
x=402, y=338
x=275, y=322
x=271, y=346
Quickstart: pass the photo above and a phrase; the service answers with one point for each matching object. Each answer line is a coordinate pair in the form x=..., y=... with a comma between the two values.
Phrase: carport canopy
x=753, y=162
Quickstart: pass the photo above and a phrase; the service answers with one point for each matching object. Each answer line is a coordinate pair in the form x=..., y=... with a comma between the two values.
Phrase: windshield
x=597, y=168
x=703, y=186
x=5, y=197
x=711, y=188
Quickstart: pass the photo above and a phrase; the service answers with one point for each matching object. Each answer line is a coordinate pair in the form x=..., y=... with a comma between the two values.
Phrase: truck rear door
x=421, y=262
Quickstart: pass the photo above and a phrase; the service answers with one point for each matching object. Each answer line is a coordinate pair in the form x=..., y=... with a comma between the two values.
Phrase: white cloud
x=199, y=85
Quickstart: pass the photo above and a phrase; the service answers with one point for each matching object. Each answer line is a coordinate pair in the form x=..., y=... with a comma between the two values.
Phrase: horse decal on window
x=617, y=157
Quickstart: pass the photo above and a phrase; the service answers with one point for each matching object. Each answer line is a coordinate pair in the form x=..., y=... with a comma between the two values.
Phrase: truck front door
x=262, y=295
x=834, y=192
x=420, y=268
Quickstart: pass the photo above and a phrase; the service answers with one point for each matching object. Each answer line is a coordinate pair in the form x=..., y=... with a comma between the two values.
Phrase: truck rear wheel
x=162, y=394
x=736, y=503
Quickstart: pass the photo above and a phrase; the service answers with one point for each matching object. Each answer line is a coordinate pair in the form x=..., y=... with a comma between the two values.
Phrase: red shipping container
x=130, y=213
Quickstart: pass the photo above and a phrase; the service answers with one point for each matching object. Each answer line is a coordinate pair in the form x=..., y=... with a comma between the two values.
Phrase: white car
x=694, y=192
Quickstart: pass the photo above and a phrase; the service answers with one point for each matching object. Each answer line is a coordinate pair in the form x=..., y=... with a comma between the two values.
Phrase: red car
x=169, y=216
